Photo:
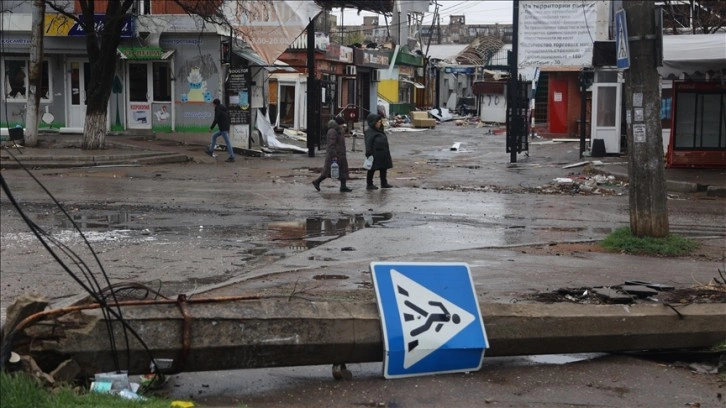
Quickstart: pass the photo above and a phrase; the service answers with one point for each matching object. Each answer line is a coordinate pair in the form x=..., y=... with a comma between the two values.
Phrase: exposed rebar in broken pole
x=236, y=333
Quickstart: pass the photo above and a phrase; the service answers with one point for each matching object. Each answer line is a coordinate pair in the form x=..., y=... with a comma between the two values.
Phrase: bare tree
x=694, y=16
x=101, y=45
x=102, y=42
x=35, y=74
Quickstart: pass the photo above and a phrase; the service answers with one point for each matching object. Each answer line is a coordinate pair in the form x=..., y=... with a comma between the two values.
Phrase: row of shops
x=166, y=79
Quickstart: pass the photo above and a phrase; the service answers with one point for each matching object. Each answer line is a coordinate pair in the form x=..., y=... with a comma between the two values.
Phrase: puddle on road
x=311, y=232
x=559, y=359
x=542, y=359
x=295, y=234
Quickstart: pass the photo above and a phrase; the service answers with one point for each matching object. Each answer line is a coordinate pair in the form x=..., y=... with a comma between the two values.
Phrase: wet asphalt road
x=190, y=227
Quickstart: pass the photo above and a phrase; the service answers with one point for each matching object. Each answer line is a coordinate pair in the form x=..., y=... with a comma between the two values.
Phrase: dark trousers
x=383, y=174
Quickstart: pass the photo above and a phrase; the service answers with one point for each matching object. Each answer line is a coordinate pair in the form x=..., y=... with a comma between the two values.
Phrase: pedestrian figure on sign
x=221, y=119
x=335, y=153
x=431, y=318
x=376, y=143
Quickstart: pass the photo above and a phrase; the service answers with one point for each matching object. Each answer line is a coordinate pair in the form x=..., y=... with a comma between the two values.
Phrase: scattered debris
x=574, y=184
x=629, y=294
x=584, y=163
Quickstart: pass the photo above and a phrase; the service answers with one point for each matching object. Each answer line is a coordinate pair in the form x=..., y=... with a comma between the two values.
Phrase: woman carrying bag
x=335, y=153
x=376, y=143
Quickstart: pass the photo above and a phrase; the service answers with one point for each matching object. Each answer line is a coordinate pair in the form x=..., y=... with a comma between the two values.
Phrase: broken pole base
x=219, y=334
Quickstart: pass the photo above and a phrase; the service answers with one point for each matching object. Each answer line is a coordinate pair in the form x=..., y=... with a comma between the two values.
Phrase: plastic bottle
x=334, y=170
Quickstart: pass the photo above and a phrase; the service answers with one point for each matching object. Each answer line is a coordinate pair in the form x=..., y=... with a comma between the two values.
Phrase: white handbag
x=368, y=163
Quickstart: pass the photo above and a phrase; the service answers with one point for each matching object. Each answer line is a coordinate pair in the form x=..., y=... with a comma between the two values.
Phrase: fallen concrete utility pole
x=232, y=333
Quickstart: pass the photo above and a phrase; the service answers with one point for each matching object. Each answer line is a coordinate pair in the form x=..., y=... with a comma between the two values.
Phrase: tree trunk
x=647, y=192
x=94, y=133
x=35, y=75
x=103, y=58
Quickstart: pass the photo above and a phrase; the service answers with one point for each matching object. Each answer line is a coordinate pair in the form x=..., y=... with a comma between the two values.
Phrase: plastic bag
x=368, y=163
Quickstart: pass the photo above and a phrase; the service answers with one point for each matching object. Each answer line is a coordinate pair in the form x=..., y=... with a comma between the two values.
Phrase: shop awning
x=693, y=54
x=415, y=84
x=256, y=60
x=144, y=53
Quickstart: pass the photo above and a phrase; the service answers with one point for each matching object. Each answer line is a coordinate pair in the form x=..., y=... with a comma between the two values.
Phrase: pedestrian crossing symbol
x=430, y=317
x=622, y=48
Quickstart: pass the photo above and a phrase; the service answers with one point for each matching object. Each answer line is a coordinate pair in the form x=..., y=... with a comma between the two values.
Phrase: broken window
x=16, y=81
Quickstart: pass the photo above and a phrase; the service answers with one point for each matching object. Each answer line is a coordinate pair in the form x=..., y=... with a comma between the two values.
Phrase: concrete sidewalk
x=64, y=151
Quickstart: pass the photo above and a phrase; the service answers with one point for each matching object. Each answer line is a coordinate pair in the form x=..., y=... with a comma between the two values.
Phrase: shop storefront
x=164, y=83
x=368, y=62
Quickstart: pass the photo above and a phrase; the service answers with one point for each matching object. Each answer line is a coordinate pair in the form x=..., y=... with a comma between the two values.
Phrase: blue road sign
x=430, y=317
x=622, y=47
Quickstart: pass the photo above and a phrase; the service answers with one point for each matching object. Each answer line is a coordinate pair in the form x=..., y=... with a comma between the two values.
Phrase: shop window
x=405, y=90
x=700, y=121
x=350, y=100
x=16, y=81
x=138, y=82
x=162, y=82
x=328, y=91
x=144, y=7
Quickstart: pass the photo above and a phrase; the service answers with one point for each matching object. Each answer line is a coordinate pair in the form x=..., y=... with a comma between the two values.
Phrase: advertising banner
x=270, y=27
x=556, y=33
x=59, y=25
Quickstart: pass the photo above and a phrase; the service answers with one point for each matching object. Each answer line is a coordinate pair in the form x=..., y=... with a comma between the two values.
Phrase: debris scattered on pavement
x=629, y=294
x=574, y=184
x=583, y=163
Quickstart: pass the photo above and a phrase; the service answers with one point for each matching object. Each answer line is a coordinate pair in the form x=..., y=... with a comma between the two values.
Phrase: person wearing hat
x=335, y=152
x=377, y=146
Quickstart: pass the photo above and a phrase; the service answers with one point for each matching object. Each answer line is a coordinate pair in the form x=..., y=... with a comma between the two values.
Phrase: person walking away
x=376, y=143
x=221, y=119
x=335, y=152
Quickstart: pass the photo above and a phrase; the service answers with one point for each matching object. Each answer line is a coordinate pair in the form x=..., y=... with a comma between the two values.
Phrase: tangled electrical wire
x=83, y=275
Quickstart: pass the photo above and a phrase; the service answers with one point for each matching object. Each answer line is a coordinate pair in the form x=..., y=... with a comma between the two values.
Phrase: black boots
x=316, y=183
x=343, y=187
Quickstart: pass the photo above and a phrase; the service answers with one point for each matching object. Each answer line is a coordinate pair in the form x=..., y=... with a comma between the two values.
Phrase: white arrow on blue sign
x=430, y=317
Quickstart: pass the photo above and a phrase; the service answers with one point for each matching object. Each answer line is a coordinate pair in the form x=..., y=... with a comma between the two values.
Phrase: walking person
x=377, y=145
x=221, y=119
x=335, y=152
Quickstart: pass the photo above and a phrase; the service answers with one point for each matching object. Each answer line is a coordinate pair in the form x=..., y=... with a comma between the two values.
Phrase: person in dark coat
x=376, y=143
x=221, y=119
x=335, y=151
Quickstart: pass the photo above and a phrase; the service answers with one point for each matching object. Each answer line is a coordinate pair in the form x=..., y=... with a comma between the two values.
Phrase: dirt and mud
x=258, y=227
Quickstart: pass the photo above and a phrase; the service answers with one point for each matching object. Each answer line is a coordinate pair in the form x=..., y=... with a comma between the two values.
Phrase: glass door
x=287, y=106
x=138, y=107
x=606, y=115
x=79, y=73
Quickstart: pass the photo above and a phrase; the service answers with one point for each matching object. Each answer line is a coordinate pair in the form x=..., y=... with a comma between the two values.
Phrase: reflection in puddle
x=563, y=358
x=311, y=232
x=541, y=359
x=273, y=238
x=101, y=220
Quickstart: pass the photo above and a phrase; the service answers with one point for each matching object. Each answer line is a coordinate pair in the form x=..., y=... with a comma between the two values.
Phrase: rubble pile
x=573, y=185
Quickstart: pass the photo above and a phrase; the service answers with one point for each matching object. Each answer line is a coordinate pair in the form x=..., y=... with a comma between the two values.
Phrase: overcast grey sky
x=476, y=12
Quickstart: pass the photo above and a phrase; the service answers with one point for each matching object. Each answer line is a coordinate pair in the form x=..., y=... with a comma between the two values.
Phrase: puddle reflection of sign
x=430, y=317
